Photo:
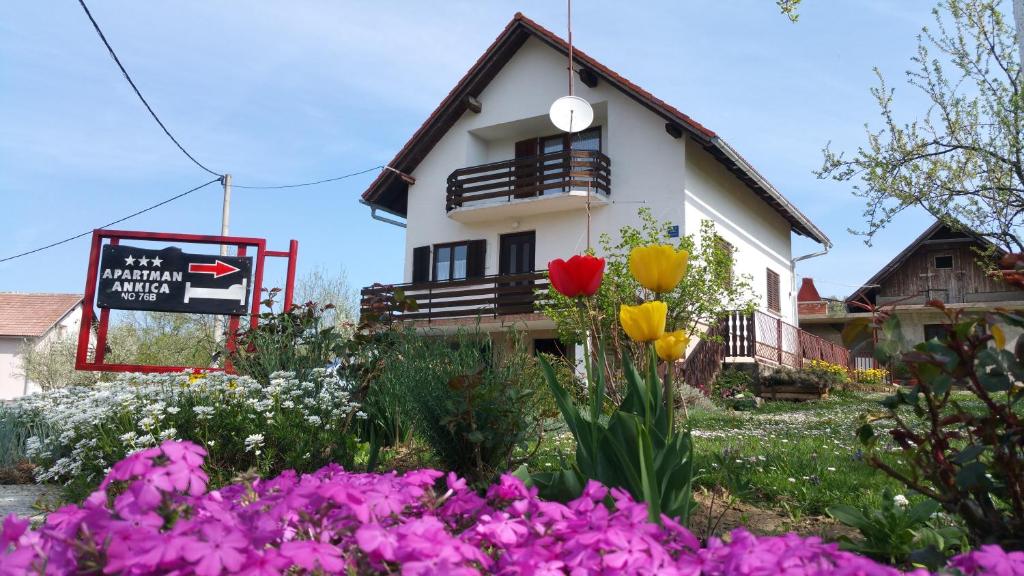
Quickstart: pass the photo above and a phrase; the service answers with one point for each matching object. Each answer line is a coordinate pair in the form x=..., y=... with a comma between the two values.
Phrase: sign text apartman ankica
x=125, y=277
x=170, y=280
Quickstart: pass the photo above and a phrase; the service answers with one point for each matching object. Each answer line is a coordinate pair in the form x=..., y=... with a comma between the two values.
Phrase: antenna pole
x=569, y=21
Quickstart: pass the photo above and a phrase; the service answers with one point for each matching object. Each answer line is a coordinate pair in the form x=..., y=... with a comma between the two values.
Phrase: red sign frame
x=241, y=244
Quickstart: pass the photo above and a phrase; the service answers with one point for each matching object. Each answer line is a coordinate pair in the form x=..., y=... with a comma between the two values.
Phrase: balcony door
x=551, y=168
x=516, y=256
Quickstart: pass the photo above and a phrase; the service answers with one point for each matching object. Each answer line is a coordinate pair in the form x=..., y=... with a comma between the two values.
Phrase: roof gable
x=389, y=191
x=937, y=232
x=32, y=315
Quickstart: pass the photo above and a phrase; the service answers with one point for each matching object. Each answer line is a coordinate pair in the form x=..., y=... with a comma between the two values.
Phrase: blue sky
x=279, y=92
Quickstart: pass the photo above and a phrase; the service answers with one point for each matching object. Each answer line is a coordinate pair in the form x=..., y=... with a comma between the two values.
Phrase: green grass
x=800, y=458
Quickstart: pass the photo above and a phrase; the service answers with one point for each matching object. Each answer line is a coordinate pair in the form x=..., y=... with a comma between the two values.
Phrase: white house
x=489, y=193
x=31, y=320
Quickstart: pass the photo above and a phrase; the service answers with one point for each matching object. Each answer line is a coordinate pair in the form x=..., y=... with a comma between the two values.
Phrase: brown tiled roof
x=33, y=314
x=390, y=193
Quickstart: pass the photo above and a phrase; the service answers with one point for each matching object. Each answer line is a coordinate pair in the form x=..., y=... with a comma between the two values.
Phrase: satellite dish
x=571, y=114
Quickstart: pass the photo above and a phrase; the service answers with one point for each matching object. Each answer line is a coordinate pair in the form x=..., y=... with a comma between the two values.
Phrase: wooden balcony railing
x=495, y=295
x=768, y=339
x=530, y=177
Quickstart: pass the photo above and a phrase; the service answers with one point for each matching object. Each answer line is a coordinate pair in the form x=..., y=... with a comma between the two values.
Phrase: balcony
x=493, y=296
x=555, y=182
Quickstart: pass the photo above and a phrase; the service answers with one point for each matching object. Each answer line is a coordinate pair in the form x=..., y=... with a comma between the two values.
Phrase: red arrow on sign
x=217, y=269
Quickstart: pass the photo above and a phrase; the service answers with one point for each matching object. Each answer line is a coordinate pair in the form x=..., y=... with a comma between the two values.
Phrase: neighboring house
x=31, y=320
x=941, y=264
x=489, y=190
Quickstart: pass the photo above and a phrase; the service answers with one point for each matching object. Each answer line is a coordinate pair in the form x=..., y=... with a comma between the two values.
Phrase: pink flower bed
x=154, y=515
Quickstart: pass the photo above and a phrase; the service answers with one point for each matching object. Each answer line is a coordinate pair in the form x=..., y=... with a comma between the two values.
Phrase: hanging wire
x=117, y=61
x=324, y=181
x=109, y=224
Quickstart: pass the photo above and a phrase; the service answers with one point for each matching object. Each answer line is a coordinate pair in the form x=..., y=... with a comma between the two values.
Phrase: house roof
x=32, y=315
x=937, y=231
x=389, y=191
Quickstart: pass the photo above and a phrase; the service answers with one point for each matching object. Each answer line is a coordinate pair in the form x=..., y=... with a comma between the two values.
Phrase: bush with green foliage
x=298, y=341
x=708, y=291
x=473, y=400
x=637, y=447
x=970, y=461
x=899, y=532
x=287, y=422
x=784, y=376
x=835, y=376
x=731, y=383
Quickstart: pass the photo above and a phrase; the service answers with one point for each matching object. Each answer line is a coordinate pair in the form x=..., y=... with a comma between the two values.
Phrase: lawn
x=799, y=458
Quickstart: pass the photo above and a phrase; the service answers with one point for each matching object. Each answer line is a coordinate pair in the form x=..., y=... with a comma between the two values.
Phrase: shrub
x=967, y=457
x=833, y=375
x=704, y=296
x=731, y=383
x=871, y=376
x=472, y=401
x=164, y=521
x=786, y=376
x=899, y=532
x=298, y=341
x=244, y=425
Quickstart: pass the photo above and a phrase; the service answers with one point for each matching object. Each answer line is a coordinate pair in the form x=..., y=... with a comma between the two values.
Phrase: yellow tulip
x=672, y=345
x=998, y=336
x=658, y=268
x=644, y=323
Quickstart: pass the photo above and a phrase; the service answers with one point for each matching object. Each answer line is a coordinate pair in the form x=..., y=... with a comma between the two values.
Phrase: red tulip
x=580, y=276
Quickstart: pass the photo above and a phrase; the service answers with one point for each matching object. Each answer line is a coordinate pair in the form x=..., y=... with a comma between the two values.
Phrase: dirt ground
x=718, y=514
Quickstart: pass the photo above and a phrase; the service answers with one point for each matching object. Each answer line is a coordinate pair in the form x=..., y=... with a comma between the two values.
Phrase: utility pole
x=225, y=217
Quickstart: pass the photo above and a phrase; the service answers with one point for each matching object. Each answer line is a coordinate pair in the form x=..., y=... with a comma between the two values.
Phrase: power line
x=324, y=181
x=152, y=113
x=109, y=224
x=139, y=94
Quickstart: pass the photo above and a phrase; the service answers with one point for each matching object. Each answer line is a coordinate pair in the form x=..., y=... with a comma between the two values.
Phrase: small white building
x=32, y=320
x=489, y=190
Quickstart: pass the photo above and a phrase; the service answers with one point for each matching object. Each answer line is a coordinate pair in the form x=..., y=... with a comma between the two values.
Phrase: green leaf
x=865, y=433
x=972, y=476
x=922, y=511
x=969, y=454
x=848, y=515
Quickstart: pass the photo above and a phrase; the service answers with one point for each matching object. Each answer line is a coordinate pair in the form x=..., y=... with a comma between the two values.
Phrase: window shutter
x=526, y=167
x=526, y=148
x=476, y=256
x=421, y=264
x=774, y=299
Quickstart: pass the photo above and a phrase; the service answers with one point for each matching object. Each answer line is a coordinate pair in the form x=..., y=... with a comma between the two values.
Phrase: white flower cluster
x=81, y=429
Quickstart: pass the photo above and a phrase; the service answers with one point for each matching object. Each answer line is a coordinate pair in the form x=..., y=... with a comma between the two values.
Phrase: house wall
x=679, y=182
x=13, y=383
x=761, y=236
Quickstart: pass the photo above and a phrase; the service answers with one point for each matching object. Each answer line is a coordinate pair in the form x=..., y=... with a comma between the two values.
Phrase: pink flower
x=164, y=522
x=12, y=530
x=311, y=555
x=378, y=542
x=219, y=550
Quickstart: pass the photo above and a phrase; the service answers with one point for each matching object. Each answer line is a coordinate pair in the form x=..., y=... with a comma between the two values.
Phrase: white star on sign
x=129, y=260
x=156, y=262
x=143, y=261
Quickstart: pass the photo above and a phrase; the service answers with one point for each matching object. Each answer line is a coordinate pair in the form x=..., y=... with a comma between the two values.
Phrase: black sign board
x=170, y=280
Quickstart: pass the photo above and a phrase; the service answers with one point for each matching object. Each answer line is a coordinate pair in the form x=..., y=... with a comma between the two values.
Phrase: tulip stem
x=670, y=401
